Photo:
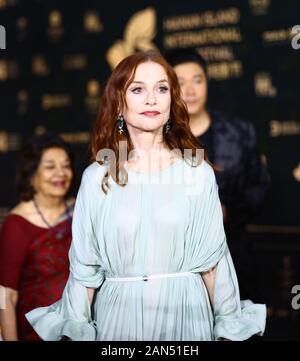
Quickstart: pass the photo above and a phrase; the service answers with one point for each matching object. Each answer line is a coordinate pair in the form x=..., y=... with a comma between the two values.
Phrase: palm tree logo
x=138, y=35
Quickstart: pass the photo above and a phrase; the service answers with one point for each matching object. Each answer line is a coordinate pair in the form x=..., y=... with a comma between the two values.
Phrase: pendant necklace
x=59, y=234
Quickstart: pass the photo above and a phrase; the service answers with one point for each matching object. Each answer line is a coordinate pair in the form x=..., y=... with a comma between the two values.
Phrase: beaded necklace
x=60, y=233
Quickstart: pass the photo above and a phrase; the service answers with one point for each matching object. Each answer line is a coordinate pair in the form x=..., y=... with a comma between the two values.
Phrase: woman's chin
x=58, y=193
x=193, y=110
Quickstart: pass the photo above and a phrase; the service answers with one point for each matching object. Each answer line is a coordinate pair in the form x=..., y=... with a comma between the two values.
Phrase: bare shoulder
x=23, y=209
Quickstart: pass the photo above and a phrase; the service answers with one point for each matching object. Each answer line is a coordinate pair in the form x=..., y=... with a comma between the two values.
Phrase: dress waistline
x=146, y=278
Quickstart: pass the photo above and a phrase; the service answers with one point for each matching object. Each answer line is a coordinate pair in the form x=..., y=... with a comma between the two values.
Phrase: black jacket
x=243, y=181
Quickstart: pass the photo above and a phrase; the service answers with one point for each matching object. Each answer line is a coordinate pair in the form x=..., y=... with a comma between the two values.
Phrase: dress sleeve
x=13, y=250
x=208, y=239
x=71, y=315
x=235, y=320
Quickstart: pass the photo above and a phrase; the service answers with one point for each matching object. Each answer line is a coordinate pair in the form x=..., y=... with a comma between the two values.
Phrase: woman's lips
x=191, y=102
x=59, y=184
x=151, y=114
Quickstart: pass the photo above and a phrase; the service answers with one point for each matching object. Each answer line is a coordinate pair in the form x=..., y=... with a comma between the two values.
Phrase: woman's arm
x=209, y=281
x=91, y=292
x=8, y=318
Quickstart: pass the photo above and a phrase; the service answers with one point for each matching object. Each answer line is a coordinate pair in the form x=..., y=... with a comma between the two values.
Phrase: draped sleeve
x=233, y=319
x=206, y=230
x=71, y=315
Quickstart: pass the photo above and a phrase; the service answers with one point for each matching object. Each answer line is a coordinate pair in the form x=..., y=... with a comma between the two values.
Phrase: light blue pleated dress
x=166, y=224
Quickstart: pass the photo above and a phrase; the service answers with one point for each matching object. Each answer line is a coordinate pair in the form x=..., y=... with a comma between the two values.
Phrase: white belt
x=146, y=278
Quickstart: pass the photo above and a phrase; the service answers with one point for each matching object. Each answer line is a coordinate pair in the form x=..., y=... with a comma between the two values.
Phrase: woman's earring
x=121, y=124
x=168, y=125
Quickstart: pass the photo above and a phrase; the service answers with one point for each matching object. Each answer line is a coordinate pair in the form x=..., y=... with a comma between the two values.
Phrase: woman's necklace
x=60, y=233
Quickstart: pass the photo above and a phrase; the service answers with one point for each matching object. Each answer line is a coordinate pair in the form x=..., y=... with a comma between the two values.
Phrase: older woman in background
x=36, y=234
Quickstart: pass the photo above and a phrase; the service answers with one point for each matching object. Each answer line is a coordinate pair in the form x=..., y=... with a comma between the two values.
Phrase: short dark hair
x=29, y=160
x=185, y=55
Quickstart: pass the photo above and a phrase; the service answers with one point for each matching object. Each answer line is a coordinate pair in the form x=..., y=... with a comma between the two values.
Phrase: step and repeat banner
x=55, y=57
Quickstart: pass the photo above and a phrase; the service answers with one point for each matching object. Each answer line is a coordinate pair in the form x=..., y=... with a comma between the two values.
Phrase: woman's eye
x=137, y=90
x=198, y=81
x=163, y=89
x=51, y=167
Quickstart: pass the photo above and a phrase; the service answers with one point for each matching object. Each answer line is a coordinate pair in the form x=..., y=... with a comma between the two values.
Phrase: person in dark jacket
x=231, y=145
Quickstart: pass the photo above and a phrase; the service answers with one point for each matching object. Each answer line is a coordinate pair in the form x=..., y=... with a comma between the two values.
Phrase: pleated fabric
x=169, y=221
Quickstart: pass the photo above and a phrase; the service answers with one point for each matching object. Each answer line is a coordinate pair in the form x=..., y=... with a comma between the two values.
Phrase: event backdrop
x=57, y=56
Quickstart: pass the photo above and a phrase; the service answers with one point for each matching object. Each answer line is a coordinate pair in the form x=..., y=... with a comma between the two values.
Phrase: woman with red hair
x=149, y=258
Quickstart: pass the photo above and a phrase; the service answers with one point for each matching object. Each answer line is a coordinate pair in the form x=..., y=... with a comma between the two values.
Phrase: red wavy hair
x=105, y=134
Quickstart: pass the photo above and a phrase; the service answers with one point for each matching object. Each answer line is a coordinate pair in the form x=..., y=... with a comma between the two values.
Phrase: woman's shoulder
x=17, y=216
x=93, y=171
x=21, y=209
x=92, y=178
x=203, y=168
x=199, y=178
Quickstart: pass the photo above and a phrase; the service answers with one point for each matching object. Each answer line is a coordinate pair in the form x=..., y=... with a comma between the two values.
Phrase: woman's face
x=193, y=84
x=54, y=174
x=148, y=98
